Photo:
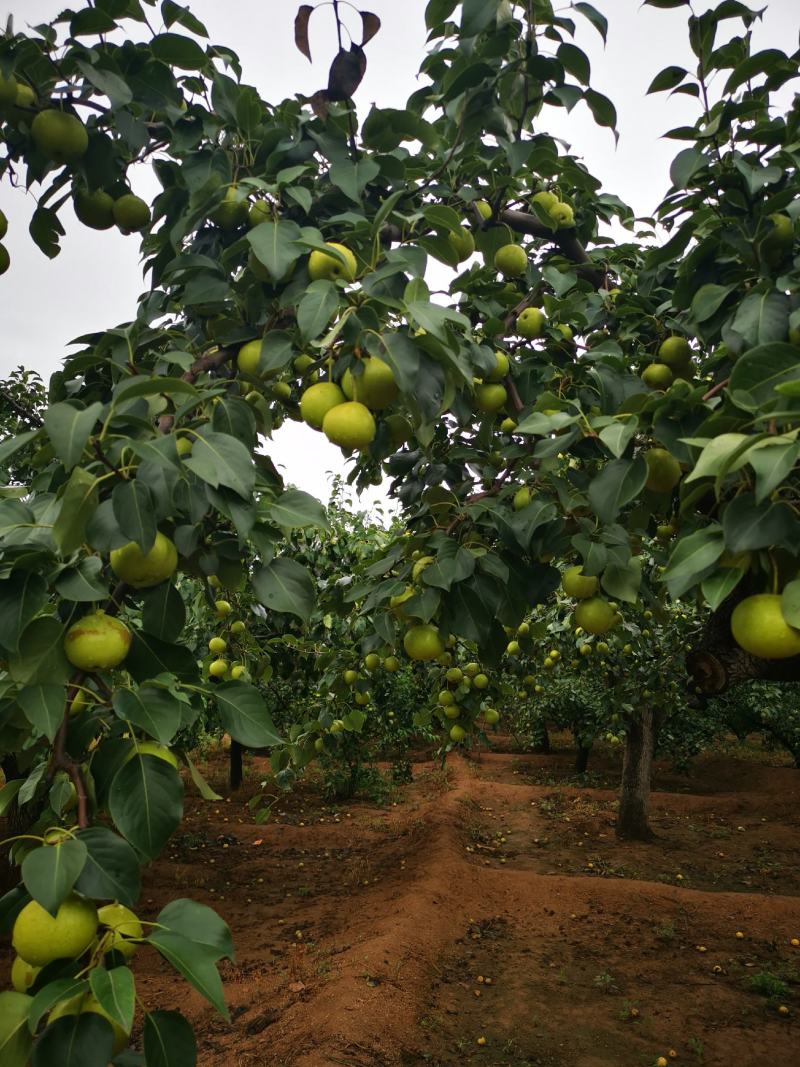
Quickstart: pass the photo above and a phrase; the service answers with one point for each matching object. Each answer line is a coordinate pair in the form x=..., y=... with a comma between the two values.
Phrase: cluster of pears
x=458, y=684
x=593, y=614
x=77, y=927
x=674, y=360
x=219, y=667
x=559, y=213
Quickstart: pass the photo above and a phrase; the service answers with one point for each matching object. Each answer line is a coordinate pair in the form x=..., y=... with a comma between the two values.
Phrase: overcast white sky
x=94, y=282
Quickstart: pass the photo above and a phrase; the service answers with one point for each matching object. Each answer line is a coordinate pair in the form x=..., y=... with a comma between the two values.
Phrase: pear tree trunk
x=634, y=796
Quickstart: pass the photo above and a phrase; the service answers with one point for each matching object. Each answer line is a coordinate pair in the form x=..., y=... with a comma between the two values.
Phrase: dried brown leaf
x=304, y=13
x=371, y=24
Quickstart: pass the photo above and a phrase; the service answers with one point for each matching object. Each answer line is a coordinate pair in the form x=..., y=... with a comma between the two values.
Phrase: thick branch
x=62, y=761
x=566, y=240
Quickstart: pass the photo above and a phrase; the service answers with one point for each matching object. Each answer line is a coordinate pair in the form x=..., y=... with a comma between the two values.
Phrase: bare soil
x=492, y=901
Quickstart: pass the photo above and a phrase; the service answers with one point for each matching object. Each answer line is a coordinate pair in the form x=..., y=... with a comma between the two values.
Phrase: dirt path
x=493, y=901
x=363, y=932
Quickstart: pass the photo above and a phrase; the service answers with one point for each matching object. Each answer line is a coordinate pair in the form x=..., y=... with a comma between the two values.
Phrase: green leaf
x=84, y=1040
x=154, y=710
x=773, y=463
x=41, y=658
x=202, y=786
x=178, y=51
x=667, y=78
x=57, y=990
x=452, y=563
x=195, y=962
x=107, y=83
x=476, y=15
x=284, y=585
x=16, y=1040
x=693, y=559
x=598, y=20
x=749, y=526
x=316, y=309
x=134, y=511
x=78, y=503
x=353, y=178
x=618, y=435
x=222, y=460
x=198, y=923
x=708, y=299
x=14, y=444
x=602, y=109
x=244, y=715
x=44, y=707
x=297, y=510
x=84, y=582
x=685, y=165
x=717, y=453
x=274, y=246
x=116, y=992
x=790, y=603
x=719, y=585
x=172, y=13
x=140, y=385
x=623, y=583
x=50, y=872
x=146, y=803
x=574, y=61
x=762, y=318
x=45, y=228
x=68, y=428
x=149, y=656
x=22, y=595
x=163, y=611
x=756, y=373
x=8, y=794
x=169, y=1040
x=112, y=867
x=619, y=482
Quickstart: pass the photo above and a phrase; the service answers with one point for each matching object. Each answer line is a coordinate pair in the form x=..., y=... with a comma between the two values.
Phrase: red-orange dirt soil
x=486, y=914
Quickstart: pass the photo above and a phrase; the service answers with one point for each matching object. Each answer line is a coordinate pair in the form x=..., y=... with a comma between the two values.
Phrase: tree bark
x=236, y=772
x=15, y=822
x=634, y=795
x=582, y=758
x=542, y=742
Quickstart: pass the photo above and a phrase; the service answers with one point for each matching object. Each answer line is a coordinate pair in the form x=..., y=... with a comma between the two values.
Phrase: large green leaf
x=169, y=1040
x=295, y=509
x=274, y=246
x=244, y=715
x=112, y=867
x=146, y=803
x=84, y=1040
x=41, y=656
x=15, y=1037
x=151, y=708
x=619, y=482
x=749, y=526
x=352, y=178
x=84, y=582
x=320, y=301
x=195, y=962
x=116, y=992
x=756, y=374
x=762, y=318
x=50, y=995
x=50, y=872
x=44, y=707
x=222, y=460
x=134, y=511
x=284, y=585
x=622, y=582
x=78, y=503
x=693, y=558
x=197, y=922
x=68, y=427
x=22, y=595
x=163, y=611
